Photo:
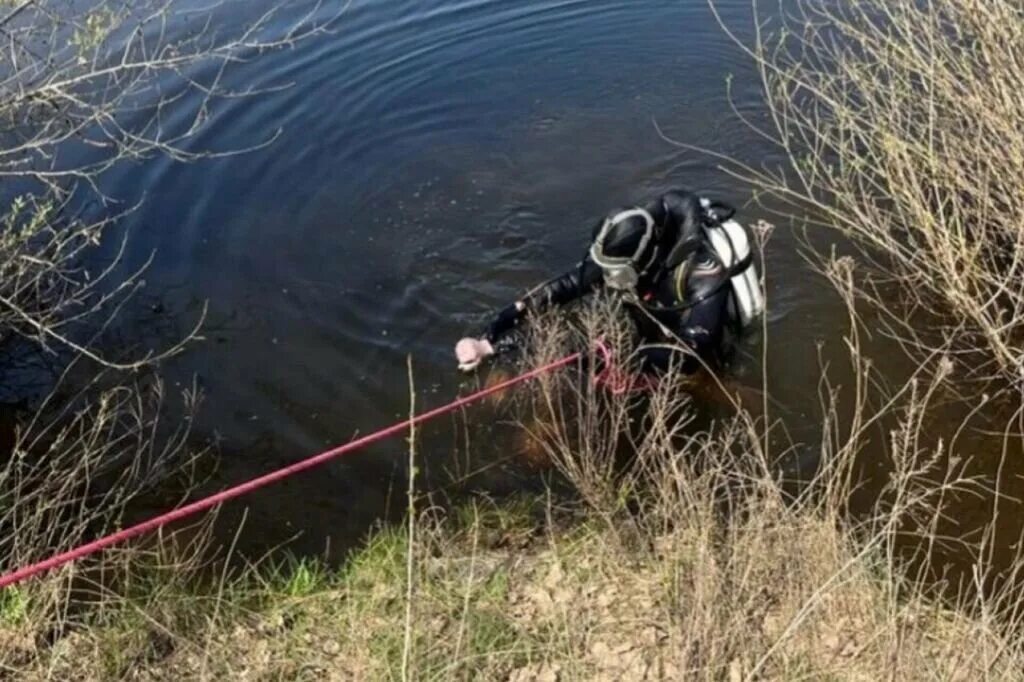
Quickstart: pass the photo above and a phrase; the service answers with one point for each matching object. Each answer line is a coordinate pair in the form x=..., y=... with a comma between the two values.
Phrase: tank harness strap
x=681, y=252
x=730, y=272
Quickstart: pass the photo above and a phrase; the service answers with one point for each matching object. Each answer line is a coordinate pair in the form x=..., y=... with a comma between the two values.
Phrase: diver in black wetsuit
x=682, y=284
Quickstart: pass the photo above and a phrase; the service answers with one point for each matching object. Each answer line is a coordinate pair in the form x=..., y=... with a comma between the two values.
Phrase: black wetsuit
x=685, y=291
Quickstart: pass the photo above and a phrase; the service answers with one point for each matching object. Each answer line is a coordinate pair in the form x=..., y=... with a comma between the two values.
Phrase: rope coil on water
x=211, y=501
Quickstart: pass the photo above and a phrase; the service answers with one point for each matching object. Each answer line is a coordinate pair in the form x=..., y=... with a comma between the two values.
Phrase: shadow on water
x=435, y=158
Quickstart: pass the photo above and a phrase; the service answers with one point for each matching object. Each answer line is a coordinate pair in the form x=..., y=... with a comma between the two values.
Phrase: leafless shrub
x=51, y=299
x=85, y=86
x=900, y=121
x=72, y=473
x=125, y=80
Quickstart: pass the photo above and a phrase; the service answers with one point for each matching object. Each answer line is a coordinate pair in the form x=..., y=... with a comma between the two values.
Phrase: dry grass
x=684, y=555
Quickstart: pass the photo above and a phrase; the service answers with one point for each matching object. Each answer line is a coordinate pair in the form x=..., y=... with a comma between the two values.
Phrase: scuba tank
x=732, y=244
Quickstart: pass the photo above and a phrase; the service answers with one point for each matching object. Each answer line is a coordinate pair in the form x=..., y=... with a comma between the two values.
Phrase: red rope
x=267, y=479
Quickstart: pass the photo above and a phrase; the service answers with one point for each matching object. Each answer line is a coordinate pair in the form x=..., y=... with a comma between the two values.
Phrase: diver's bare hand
x=471, y=352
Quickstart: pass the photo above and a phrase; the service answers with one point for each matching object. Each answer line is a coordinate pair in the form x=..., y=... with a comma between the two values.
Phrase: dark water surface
x=434, y=159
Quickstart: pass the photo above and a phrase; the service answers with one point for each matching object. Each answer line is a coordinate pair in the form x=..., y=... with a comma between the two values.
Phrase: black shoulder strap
x=728, y=273
x=680, y=252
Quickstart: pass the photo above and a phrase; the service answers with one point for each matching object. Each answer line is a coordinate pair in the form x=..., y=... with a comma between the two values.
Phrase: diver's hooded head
x=624, y=246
